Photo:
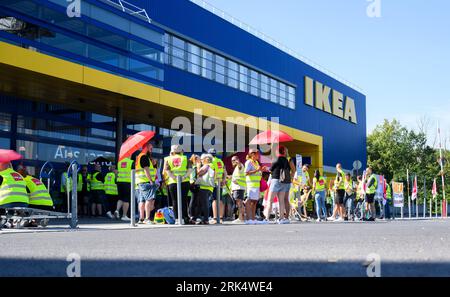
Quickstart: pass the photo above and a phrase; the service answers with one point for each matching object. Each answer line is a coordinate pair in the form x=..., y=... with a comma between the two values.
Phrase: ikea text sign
x=331, y=101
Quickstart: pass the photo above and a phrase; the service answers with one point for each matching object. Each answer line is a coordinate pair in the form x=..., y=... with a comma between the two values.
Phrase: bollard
x=179, y=201
x=74, y=216
x=218, y=202
x=133, y=199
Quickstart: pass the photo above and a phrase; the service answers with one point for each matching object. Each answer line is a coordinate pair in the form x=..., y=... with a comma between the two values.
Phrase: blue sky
x=400, y=60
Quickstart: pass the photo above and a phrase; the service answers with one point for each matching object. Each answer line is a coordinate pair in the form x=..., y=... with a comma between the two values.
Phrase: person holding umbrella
x=176, y=165
x=13, y=188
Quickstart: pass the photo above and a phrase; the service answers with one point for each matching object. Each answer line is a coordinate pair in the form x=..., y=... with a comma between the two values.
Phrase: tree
x=392, y=149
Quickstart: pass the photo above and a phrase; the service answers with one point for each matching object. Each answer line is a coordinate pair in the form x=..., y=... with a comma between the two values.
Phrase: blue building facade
x=74, y=86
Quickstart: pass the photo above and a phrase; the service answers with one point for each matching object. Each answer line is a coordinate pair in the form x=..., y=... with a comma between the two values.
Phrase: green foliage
x=392, y=149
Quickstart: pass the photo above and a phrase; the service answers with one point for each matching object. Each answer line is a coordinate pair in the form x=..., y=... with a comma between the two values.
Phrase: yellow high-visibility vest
x=178, y=165
x=124, y=170
x=38, y=195
x=141, y=178
x=13, y=188
x=110, y=184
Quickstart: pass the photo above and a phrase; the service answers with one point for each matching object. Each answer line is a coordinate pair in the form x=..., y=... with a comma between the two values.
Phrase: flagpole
x=431, y=206
x=417, y=198
x=444, y=202
x=409, y=197
x=424, y=197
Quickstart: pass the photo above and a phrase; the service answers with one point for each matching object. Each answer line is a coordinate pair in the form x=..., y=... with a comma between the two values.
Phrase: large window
x=194, y=59
x=178, y=53
x=207, y=64
x=5, y=122
x=243, y=78
x=220, y=69
x=233, y=74
x=273, y=90
x=200, y=61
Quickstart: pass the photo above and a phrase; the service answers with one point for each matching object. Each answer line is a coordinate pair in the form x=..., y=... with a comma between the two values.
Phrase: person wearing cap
x=205, y=176
x=238, y=184
x=13, y=188
x=146, y=183
x=220, y=178
x=253, y=175
x=177, y=164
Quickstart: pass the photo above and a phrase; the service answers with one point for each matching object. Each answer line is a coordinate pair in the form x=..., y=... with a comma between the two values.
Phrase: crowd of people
x=250, y=193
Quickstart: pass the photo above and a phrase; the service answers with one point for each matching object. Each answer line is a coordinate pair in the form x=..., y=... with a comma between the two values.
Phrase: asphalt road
x=405, y=248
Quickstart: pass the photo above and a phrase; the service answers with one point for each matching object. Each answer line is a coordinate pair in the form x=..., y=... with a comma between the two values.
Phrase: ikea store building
x=79, y=76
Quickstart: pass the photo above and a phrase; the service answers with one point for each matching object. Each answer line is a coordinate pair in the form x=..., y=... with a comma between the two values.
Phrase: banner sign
x=299, y=162
x=398, y=196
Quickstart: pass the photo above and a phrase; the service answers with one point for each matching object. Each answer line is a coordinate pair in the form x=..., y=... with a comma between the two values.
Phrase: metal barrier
x=179, y=202
x=218, y=196
x=133, y=199
x=23, y=214
x=48, y=175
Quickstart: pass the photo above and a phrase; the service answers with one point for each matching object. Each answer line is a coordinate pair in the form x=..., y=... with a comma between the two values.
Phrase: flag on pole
x=414, y=191
x=434, y=190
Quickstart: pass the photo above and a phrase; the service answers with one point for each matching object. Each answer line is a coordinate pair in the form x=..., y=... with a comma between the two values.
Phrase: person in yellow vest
x=303, y=180
x=111, y=191
x=39, y=196
x=339, y=188
x=319, y=190
x=349, y=197
x=205, y=179
x=146, y=183
x=388, y=201
x=97, y=190
x=194, y=190
x=238, y=185
x=253, y=175
x=221, y=178
x=371, y=189
x=13, y=188
x=83, y=189
x=177, y=164
x=124, y=188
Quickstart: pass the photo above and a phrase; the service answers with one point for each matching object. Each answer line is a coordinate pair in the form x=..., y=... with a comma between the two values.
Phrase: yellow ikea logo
x=318, y=96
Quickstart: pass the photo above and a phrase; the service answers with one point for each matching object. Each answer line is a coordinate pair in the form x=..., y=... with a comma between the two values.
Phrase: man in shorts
x=339, y=187
x=146, y=183
x=371, y=186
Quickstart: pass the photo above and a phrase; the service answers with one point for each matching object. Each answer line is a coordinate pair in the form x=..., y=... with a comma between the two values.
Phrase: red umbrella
x=8, y=156
x=270, y=136
x=134, y=143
